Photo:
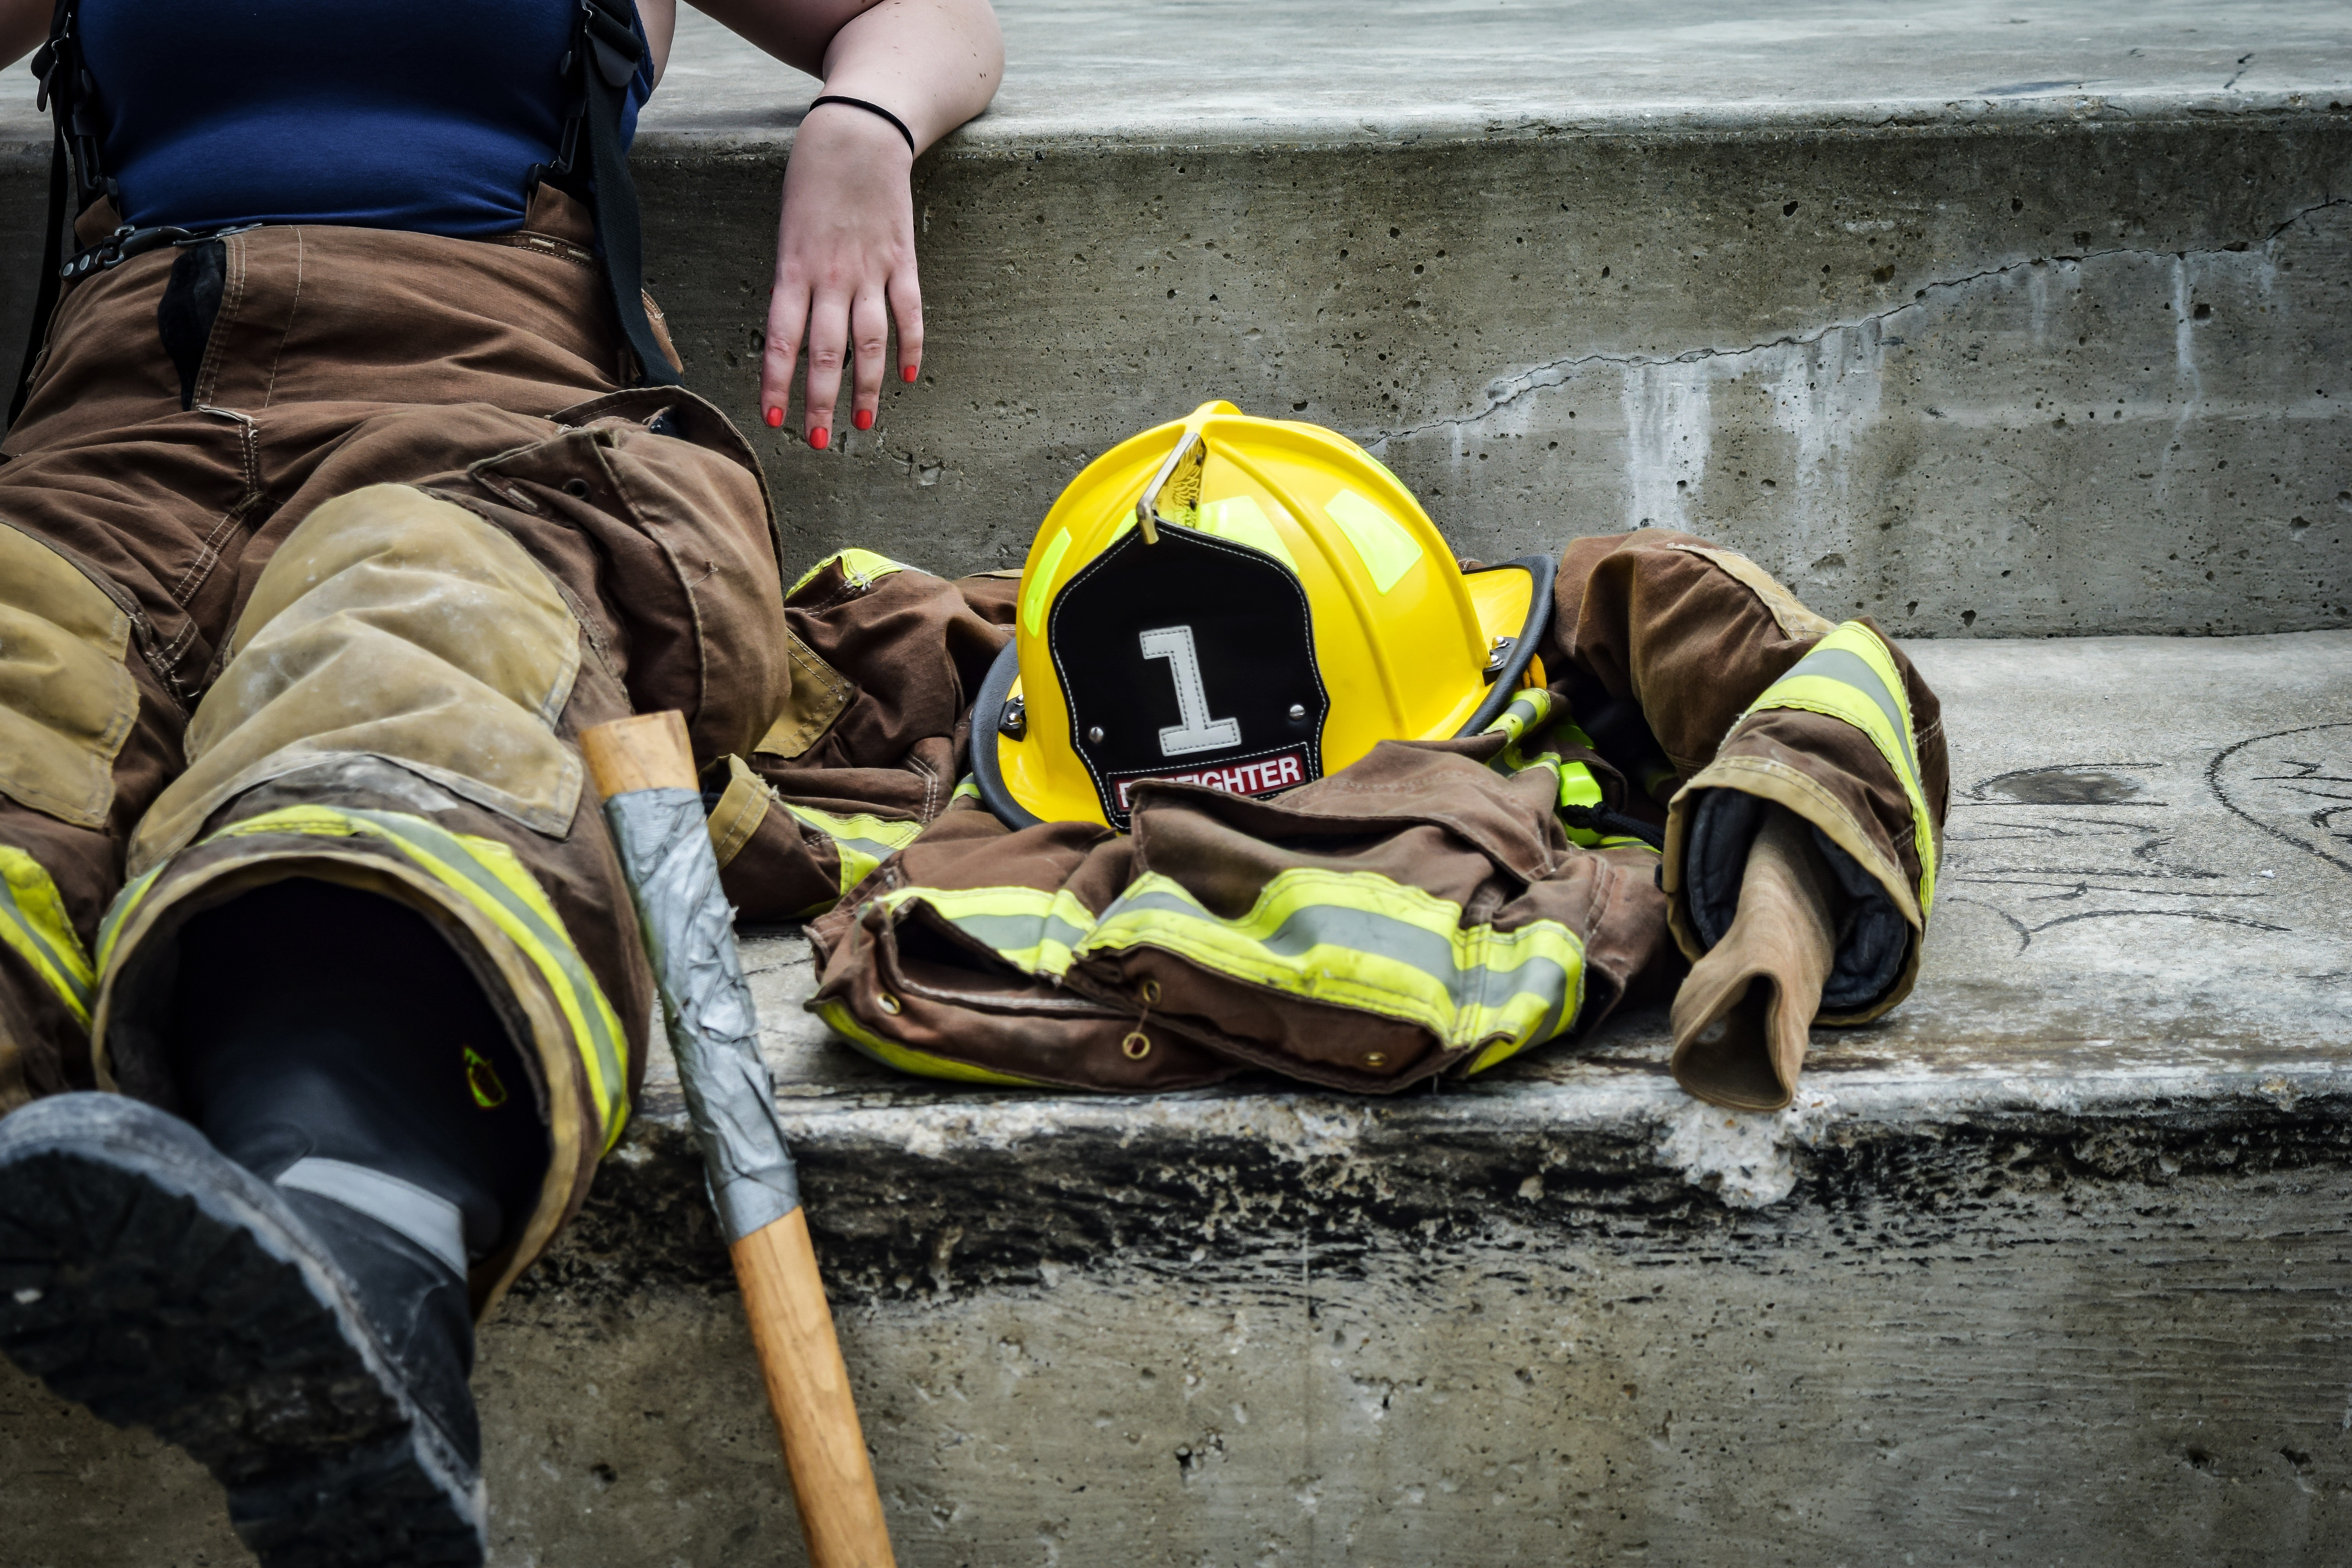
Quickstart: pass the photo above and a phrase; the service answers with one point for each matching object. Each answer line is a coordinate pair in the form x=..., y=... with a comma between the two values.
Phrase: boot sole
x=148, y=1277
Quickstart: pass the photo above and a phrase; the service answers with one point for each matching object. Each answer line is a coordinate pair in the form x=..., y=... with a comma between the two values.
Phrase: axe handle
x=808, y=1389
x=784, y=1296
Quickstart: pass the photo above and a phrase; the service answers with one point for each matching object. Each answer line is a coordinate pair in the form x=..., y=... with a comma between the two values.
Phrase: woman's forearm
x=933, y=63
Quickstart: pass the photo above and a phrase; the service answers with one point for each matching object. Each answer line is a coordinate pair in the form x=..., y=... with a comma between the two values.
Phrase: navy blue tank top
x=380, y=113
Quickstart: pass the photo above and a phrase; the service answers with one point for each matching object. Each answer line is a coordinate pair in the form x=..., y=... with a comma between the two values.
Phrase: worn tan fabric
x=1741, y=1016
x=66, y=703
x=397, y=625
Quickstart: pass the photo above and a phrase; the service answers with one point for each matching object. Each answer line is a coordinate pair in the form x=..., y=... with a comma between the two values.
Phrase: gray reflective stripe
x=553, y=940
x=1853, y=669
x=58, y=965
x=1364, y=930
x=1018, y=933
x=1522, y=709
x=426, y=1218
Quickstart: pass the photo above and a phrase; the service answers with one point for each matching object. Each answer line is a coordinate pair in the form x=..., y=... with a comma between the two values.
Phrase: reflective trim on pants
x=1358, y=939
x=1850, y=676
x=860, y=569
x=34, y=925
x=1036, y=932
x=1348, y=939
x=906, y=1059
x=487, y=875
x=860, y=842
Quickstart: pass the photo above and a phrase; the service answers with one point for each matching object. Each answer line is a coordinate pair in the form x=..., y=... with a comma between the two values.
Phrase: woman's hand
x=845, y=269
x=846, y=243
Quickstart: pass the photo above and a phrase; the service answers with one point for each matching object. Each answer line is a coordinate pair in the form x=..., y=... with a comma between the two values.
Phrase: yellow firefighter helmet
x=1246, y=603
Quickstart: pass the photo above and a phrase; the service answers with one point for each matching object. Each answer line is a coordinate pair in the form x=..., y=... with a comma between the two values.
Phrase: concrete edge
x=996, y=135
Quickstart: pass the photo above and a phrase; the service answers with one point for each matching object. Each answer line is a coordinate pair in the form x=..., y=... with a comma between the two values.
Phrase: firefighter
x=349, y=482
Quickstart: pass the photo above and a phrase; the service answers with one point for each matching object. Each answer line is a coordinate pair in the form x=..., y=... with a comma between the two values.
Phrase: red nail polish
x=906, y=372
x=819, y=438
x=864, y=419
x=775, y=418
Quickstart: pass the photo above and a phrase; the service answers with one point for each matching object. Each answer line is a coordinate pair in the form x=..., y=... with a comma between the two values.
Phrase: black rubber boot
x=282, y=1293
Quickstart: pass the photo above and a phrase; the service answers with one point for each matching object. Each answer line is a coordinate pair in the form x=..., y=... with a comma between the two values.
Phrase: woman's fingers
x=780, y=354
x=907, y=304
x=828, y=340
x=869, y=334
x=844, y=265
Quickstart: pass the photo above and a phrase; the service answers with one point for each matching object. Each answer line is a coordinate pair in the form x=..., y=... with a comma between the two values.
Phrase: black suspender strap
x=605, y=53
x=58, y=62
x=607, y=56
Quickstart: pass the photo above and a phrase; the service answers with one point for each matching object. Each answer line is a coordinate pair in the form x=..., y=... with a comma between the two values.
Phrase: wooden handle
x=808, y=1388
x=648, y=751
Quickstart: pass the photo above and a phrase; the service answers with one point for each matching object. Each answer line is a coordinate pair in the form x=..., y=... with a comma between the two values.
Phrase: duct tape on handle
x=690, y=937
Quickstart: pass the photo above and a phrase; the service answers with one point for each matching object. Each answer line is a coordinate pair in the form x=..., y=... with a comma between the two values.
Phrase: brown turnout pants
x=333, y=600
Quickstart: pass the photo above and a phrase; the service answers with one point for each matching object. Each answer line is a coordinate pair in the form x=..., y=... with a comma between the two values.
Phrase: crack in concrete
x=1557, y=371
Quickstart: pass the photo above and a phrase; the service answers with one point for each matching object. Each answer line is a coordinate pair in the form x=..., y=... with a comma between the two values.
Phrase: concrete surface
x=2050, y=1267
x=2006, y=319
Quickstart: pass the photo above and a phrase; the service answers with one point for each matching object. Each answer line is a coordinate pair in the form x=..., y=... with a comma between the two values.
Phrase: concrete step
x=2012, y=319
x=2050, y=1266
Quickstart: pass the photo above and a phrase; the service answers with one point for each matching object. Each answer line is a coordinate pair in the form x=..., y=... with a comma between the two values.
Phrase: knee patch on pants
x=394, y=624
x=67, y=703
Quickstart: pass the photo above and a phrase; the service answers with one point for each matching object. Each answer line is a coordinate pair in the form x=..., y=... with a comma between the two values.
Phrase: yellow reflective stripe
x=923, y=1064
x=862, y=842
x=1041, y=582
x=859, y=568
x=1356, y=938
x=1850, y=676
x=34, y=925
x=125, y=903
x=967, y=788
x=1527, y=711
x=1035, y=931
x=487, y=875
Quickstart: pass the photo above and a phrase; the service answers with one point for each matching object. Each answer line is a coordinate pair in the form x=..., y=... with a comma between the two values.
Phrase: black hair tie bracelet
x=896, y=123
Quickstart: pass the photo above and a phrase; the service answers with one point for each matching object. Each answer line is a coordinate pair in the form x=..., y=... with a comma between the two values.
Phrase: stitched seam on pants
x=930, y=784
x=232, y=301
x=292, y=305
x=208, y=554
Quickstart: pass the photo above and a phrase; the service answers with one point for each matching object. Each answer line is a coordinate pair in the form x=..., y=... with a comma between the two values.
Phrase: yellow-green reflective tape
x=1041, y=579
x=1357, y=939
x=860, y=568
x=923, y=1064
x=1526, y=711
x=487, y=874
x=1243, y=520
x=125, y=902
x=1035, y=931
x=34, y=925
x=1850, y=676
x=1577, y=786
x=967, y=788
x=861, y=842
x=1384, y=545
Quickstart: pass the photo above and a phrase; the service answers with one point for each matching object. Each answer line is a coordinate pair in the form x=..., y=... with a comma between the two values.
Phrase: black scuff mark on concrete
x=1504, y=391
